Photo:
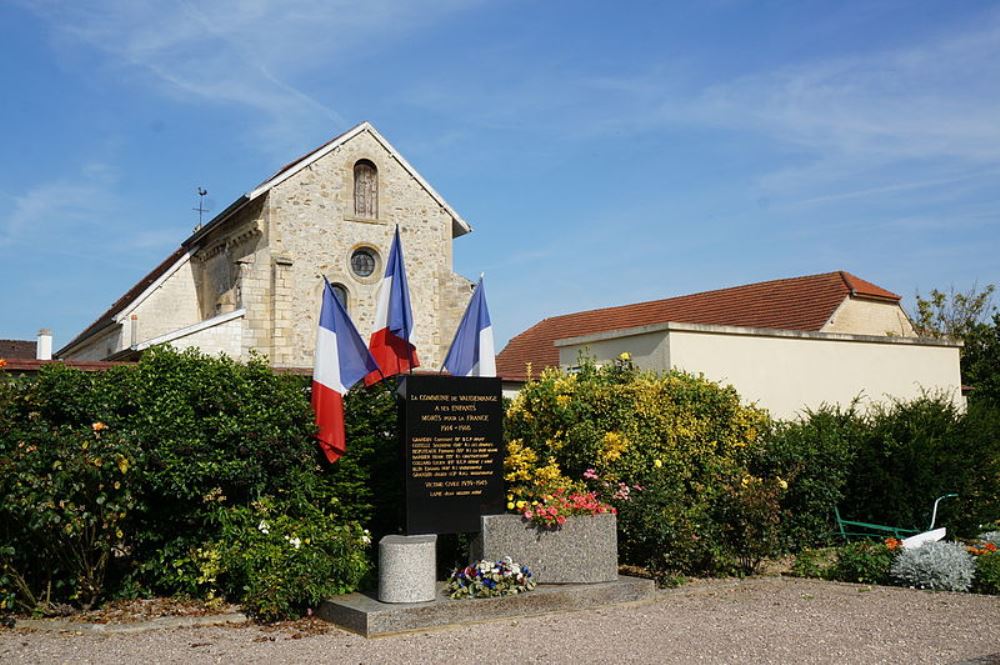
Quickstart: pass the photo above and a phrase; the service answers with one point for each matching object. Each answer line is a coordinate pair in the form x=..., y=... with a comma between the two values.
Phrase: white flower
x=295, y=542
x=366, y=539
x=263, y=527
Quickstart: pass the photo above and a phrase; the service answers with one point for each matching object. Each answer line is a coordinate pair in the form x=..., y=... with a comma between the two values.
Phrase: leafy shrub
x=987, y=578
x=277, y=564
x=910, y=453
x=202, y=436
x=862, y=562
x=816, y=563
x=67, y=494
x=751, y=520
x=682, y=439
x=942, y=566
x=815, y=455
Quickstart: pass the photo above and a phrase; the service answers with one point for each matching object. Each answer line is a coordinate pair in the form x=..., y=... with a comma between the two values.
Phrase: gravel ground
x=764, y=620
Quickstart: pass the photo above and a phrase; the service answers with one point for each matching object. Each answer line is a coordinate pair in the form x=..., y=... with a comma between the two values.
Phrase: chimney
x=43, y=347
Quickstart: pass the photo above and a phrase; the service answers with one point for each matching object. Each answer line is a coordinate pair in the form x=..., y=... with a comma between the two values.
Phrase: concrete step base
x=365, y=615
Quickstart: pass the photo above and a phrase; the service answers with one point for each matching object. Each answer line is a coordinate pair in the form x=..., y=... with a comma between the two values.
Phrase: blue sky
x=604, y=152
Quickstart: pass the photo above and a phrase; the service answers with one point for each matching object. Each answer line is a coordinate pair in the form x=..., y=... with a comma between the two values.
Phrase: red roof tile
x=31, y=366
x=798, y=303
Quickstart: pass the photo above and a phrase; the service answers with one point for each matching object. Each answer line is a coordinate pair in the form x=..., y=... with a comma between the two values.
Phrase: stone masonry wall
x=313, y=232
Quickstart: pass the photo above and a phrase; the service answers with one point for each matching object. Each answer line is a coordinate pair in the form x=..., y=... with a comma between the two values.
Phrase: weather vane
x=201, y=206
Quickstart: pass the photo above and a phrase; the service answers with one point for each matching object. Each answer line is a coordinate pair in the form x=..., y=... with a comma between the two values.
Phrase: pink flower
x=590, y=474
x=561, y=520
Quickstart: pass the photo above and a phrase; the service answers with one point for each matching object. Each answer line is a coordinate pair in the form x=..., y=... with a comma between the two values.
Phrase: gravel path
x=764, y=620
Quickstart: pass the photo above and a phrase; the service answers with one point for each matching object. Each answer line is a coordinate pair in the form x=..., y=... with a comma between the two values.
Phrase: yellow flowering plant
x=678, y=436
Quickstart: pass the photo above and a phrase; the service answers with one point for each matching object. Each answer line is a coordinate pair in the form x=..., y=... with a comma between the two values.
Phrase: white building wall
x=785, y=371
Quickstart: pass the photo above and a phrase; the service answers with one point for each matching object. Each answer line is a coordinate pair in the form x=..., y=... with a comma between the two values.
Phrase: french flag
x=391, y=341
x=471, y=352
x=341, y=360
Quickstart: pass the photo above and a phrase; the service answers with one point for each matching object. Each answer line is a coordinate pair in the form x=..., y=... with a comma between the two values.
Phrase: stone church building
x=250, y=280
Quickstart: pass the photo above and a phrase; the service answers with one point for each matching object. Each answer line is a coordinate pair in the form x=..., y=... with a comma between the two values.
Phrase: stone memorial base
x=407, y=569
x=584, y=550
x=364, y=614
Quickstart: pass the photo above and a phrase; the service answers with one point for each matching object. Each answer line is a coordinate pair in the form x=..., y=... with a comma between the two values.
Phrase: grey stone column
x=407, y=569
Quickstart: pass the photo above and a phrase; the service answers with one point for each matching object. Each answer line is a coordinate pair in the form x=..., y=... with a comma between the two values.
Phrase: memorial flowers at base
x=488, y=579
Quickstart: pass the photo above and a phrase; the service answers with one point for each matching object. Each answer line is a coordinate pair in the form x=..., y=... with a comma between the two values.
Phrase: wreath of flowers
x=488, y=579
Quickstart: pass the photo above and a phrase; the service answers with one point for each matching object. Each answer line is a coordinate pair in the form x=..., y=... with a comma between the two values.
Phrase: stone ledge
x=363, y=614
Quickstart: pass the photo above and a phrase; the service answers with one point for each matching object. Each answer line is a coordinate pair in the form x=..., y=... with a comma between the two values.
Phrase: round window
x=363, y=262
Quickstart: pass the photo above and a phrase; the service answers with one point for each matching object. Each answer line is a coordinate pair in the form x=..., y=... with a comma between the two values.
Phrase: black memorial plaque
x=453, y=452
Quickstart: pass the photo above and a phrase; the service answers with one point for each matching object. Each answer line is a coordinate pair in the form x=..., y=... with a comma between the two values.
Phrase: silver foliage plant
x=941, y=566
x=990, y=537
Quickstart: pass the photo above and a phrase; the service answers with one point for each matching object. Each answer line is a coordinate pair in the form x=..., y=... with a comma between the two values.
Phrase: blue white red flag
x=341, y=360
x=392, y=339
x=471, y=352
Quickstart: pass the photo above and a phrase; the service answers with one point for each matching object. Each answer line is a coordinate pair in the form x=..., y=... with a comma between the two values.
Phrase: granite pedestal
x=584, y=550
x=407, y=568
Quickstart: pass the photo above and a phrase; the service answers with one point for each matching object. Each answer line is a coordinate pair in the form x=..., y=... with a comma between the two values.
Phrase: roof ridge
x=691, y=295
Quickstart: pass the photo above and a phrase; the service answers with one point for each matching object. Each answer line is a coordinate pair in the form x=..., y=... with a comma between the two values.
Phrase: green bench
x=848, y=529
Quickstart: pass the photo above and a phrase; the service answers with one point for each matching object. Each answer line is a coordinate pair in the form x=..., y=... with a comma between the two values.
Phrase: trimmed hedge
x=119, y=482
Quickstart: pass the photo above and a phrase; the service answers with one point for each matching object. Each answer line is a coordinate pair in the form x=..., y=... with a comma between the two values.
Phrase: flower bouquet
x=490, y=578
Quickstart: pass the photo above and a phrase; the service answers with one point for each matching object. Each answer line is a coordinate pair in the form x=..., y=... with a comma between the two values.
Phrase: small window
x=365, y=189
x=340, y=293
x=363, y=262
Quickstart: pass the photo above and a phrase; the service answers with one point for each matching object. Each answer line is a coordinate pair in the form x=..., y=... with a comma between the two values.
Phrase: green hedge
x=120, y=482
x=886, y=466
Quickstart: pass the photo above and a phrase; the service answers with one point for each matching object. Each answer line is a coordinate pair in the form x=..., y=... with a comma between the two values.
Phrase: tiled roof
x=798, y=303
x=17, y=348
x=31, y=366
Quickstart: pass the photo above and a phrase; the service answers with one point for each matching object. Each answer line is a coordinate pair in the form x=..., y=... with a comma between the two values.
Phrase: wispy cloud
x=50, y=211
x=249, y=54
x=852, y=126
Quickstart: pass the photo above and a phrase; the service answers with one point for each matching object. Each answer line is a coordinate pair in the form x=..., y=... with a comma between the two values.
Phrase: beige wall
x=171, y=306
x=225, y=337
x=786, y=371
x=869, y=317
x=99, y=346
x=649, y=350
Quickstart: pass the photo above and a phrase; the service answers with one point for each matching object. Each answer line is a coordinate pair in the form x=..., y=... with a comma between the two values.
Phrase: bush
x=987, y=578
x=815, y=455
x=201, y=437
x=279, y=564
x=668, y=451
x=884, y=466
x=863, y=563
x=67, y=494
x=815, y=563
x=942, y=566
x=913, y=452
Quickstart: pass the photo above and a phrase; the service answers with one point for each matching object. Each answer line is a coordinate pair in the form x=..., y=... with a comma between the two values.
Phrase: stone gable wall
x=867, y=317
x=314, y=231
x=270, y=257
